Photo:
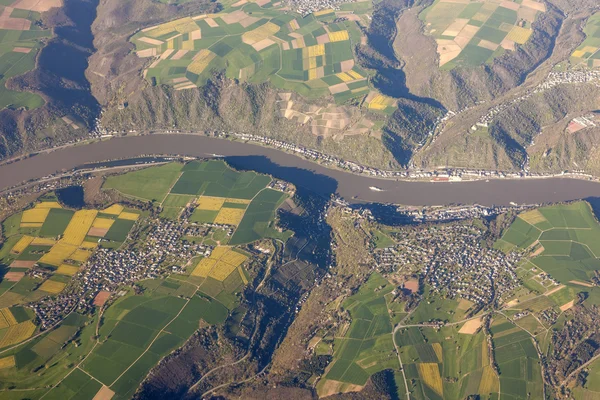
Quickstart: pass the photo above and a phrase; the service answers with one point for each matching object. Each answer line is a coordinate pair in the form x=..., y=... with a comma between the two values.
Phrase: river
x=301, y=172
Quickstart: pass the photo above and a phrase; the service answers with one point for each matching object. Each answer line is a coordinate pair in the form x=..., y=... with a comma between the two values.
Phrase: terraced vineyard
x=257, y=42
x=471, y=33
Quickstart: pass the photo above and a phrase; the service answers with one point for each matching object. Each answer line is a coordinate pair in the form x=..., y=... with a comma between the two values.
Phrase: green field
x=367, y=346
x=517, y=359
x=18, y=51
x=311, y=55
x=474, y=33
x=174, y=186
x=445, y=364
x=569, y=236
x=588, y=52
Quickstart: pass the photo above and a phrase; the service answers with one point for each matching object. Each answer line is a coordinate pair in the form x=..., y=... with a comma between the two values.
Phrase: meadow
x=564, y=241
x=257, y=42
x=472, y=33
x=588, y=52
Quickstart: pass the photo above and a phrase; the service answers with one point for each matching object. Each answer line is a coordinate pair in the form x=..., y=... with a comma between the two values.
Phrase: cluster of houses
x=305, y=7
x=453, y=262
x=108, y=269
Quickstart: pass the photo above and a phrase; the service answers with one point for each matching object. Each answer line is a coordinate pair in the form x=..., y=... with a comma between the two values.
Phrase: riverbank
x=301, y=172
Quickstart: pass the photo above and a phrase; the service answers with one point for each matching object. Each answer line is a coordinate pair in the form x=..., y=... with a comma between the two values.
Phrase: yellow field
x=221, y=263
x=312, y=74
x=338, y=36
x=344, y=77
x=79, y=226
x=80, y=255
x=210, y=203
x=31, y=224
x=260, y=33
x=115, y=209
x=48, y=204
x=201, y=61
x=52, y=287
x=22, y=244
x=430, y=374
x=89, y=245
x=66, y=269
x=354, y=74
x=17, y=333
x=238, y=201
x=438, y=351
x=35, y=215
x=323, y=12
x=182, y=25
x=294, y=25
x=242, y=274
x=203, y=268
x=129, y=216
x=105, y=223
x=314, y=51
x=6, y=318
x=218, y=252
x=43, y=242
x=230, y=216
x=519, y=35
x=58, y=253
x=533, y=217
x=233, y=258
x=489, y=381
x=222, y=270
x=7, y=362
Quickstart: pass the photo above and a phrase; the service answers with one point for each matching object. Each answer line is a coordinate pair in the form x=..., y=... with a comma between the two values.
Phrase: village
x=453, y=262
x=144, y=257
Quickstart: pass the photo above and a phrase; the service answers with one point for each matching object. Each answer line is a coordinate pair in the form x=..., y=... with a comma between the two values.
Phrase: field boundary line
x=153, y=340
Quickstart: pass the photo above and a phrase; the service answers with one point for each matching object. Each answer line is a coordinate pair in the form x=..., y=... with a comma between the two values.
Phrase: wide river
x=302, y=173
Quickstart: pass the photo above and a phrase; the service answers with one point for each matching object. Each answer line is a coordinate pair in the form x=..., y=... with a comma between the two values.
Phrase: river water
x=303, y=173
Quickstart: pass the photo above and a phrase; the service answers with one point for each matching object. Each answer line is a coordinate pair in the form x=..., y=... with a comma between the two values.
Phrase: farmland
x=216, y=193
x=367, y=345
x=517, y=359
x=258, y=42
x=588, y=52
x=564, y=241
x=447, y=363
x=21, y=38
x=471, y=33
x=56, y=247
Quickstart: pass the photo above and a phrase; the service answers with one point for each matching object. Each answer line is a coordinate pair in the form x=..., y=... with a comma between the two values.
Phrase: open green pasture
x=18, y=51
x=517, y=359
x=367, y=346
x=570, y=237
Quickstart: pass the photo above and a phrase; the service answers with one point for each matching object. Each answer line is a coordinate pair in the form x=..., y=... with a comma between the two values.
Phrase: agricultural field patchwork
x=471, y=33
x=218, y=195
x=56, y=242
x=451, y=363
x=367, y=346
x=310, y=55
x=21, y=38
x=588, y=52
x=564, y=242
